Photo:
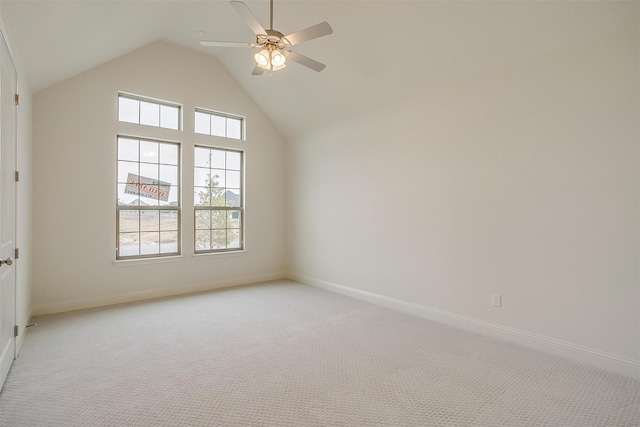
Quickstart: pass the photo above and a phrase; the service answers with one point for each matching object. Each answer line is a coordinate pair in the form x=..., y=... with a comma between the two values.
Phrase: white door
x=7, y=210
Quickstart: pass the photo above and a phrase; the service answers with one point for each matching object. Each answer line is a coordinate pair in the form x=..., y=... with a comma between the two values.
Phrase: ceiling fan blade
x=244, y=11
x=306, y=61
x=310, y=33
x=226, y=44
x=257, y=71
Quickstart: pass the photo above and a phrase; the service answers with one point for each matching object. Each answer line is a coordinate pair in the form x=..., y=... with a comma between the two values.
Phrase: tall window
x=144, y=111
x=219, y=124
x=218, y=198
x=148, y=207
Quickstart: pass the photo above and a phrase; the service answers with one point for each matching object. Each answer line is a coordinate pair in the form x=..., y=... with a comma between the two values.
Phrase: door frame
x=9, y=176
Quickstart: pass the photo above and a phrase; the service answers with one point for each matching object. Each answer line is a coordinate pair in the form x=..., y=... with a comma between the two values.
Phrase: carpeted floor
x=285, y=354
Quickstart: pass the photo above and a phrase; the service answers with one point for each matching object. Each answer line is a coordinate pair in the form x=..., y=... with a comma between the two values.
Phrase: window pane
x=217, y=197
x=169, y=174
x=232, y=197
x=233, y=160
x=169, y=220
x=201, y=196
x=126, y=168
x=169, y=154
x=149, y=243
x=202, y=124
x=148, y=151
x=218, y=220
x=234, y=219
x=169, y=117
x=149, y=114
x=129, y=244
x=168, y=242
x=233, y=239
x=203, y=240
x=218, y=126
x=127, y=196
x=149, y=221
x=234, y=128
x=149, y=171
x=217, y=177
x=219, y=239
x=129, y=221
x=218, y=159
x=233, y=179
x=173, y=197
x=128, y=110
x=203, y=219
x=202, y=157
x=201, y=177
x=128, y=149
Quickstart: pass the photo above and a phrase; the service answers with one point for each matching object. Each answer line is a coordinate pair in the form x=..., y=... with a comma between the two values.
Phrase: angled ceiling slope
x=379, y=53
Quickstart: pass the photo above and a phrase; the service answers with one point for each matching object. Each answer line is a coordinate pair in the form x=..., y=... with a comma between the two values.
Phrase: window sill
x=145, y=261
x=200, y=257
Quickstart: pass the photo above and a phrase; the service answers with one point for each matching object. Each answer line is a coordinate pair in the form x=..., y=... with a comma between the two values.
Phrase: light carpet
x=286, y=354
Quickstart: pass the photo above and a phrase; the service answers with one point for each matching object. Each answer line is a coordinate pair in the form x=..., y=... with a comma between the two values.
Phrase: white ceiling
x=380, y=52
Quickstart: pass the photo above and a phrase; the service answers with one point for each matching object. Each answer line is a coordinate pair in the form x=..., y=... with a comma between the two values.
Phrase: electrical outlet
x=496, y=300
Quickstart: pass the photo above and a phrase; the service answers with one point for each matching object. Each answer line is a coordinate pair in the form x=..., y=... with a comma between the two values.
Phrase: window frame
x=240, y=208
x=159, y=102
x=142, y=208
x=214, y=113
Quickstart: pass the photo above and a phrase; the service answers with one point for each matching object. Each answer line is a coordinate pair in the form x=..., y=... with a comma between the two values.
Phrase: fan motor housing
x=272, y=37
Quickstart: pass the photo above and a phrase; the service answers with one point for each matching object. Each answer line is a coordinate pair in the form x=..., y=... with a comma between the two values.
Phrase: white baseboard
x=596, y=358
x=23, y=331
x=80, y=304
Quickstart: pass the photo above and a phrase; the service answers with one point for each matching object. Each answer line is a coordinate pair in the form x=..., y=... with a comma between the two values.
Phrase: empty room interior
x=309, y=212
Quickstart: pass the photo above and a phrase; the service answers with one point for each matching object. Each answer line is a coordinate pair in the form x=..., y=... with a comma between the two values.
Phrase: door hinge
x=16, y=254
x=17, y=176
x=17, y=99
x=15, y=331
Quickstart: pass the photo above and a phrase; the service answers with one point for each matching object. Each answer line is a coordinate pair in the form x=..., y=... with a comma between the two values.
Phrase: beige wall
x=75, y=128
x=523, y=184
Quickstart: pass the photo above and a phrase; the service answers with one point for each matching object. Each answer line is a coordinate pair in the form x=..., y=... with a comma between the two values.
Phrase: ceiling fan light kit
x=274, y=45
x=270, y=58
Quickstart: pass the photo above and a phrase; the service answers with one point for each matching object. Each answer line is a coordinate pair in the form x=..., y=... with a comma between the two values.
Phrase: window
x=148, y=207
x=218, y=198
x=219, y=124
x=143, y=111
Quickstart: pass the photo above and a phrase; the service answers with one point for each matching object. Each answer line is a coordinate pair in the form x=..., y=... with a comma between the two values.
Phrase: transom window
x=219, y=124
x=148, y=207
x=218, y=199
x=144, y=111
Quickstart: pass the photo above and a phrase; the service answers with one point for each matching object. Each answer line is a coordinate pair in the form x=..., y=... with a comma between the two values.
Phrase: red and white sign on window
x=147, y=187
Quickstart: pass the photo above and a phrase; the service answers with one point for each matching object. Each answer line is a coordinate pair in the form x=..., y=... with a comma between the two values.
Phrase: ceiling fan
x=274, y=46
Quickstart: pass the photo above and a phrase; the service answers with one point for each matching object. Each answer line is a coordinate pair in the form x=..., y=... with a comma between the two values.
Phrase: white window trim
x=157, y=101
x=243, y=120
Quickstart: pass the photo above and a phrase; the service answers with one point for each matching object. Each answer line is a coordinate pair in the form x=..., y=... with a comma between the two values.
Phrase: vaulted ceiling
x=379, y=53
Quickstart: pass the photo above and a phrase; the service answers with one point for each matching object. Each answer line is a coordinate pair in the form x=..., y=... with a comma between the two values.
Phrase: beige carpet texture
x=286, y=354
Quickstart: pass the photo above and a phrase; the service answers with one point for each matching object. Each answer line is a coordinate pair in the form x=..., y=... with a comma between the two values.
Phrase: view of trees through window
x=218, y=199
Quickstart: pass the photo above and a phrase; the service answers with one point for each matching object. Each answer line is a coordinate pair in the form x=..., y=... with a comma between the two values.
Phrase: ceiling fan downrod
x=271, y=14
